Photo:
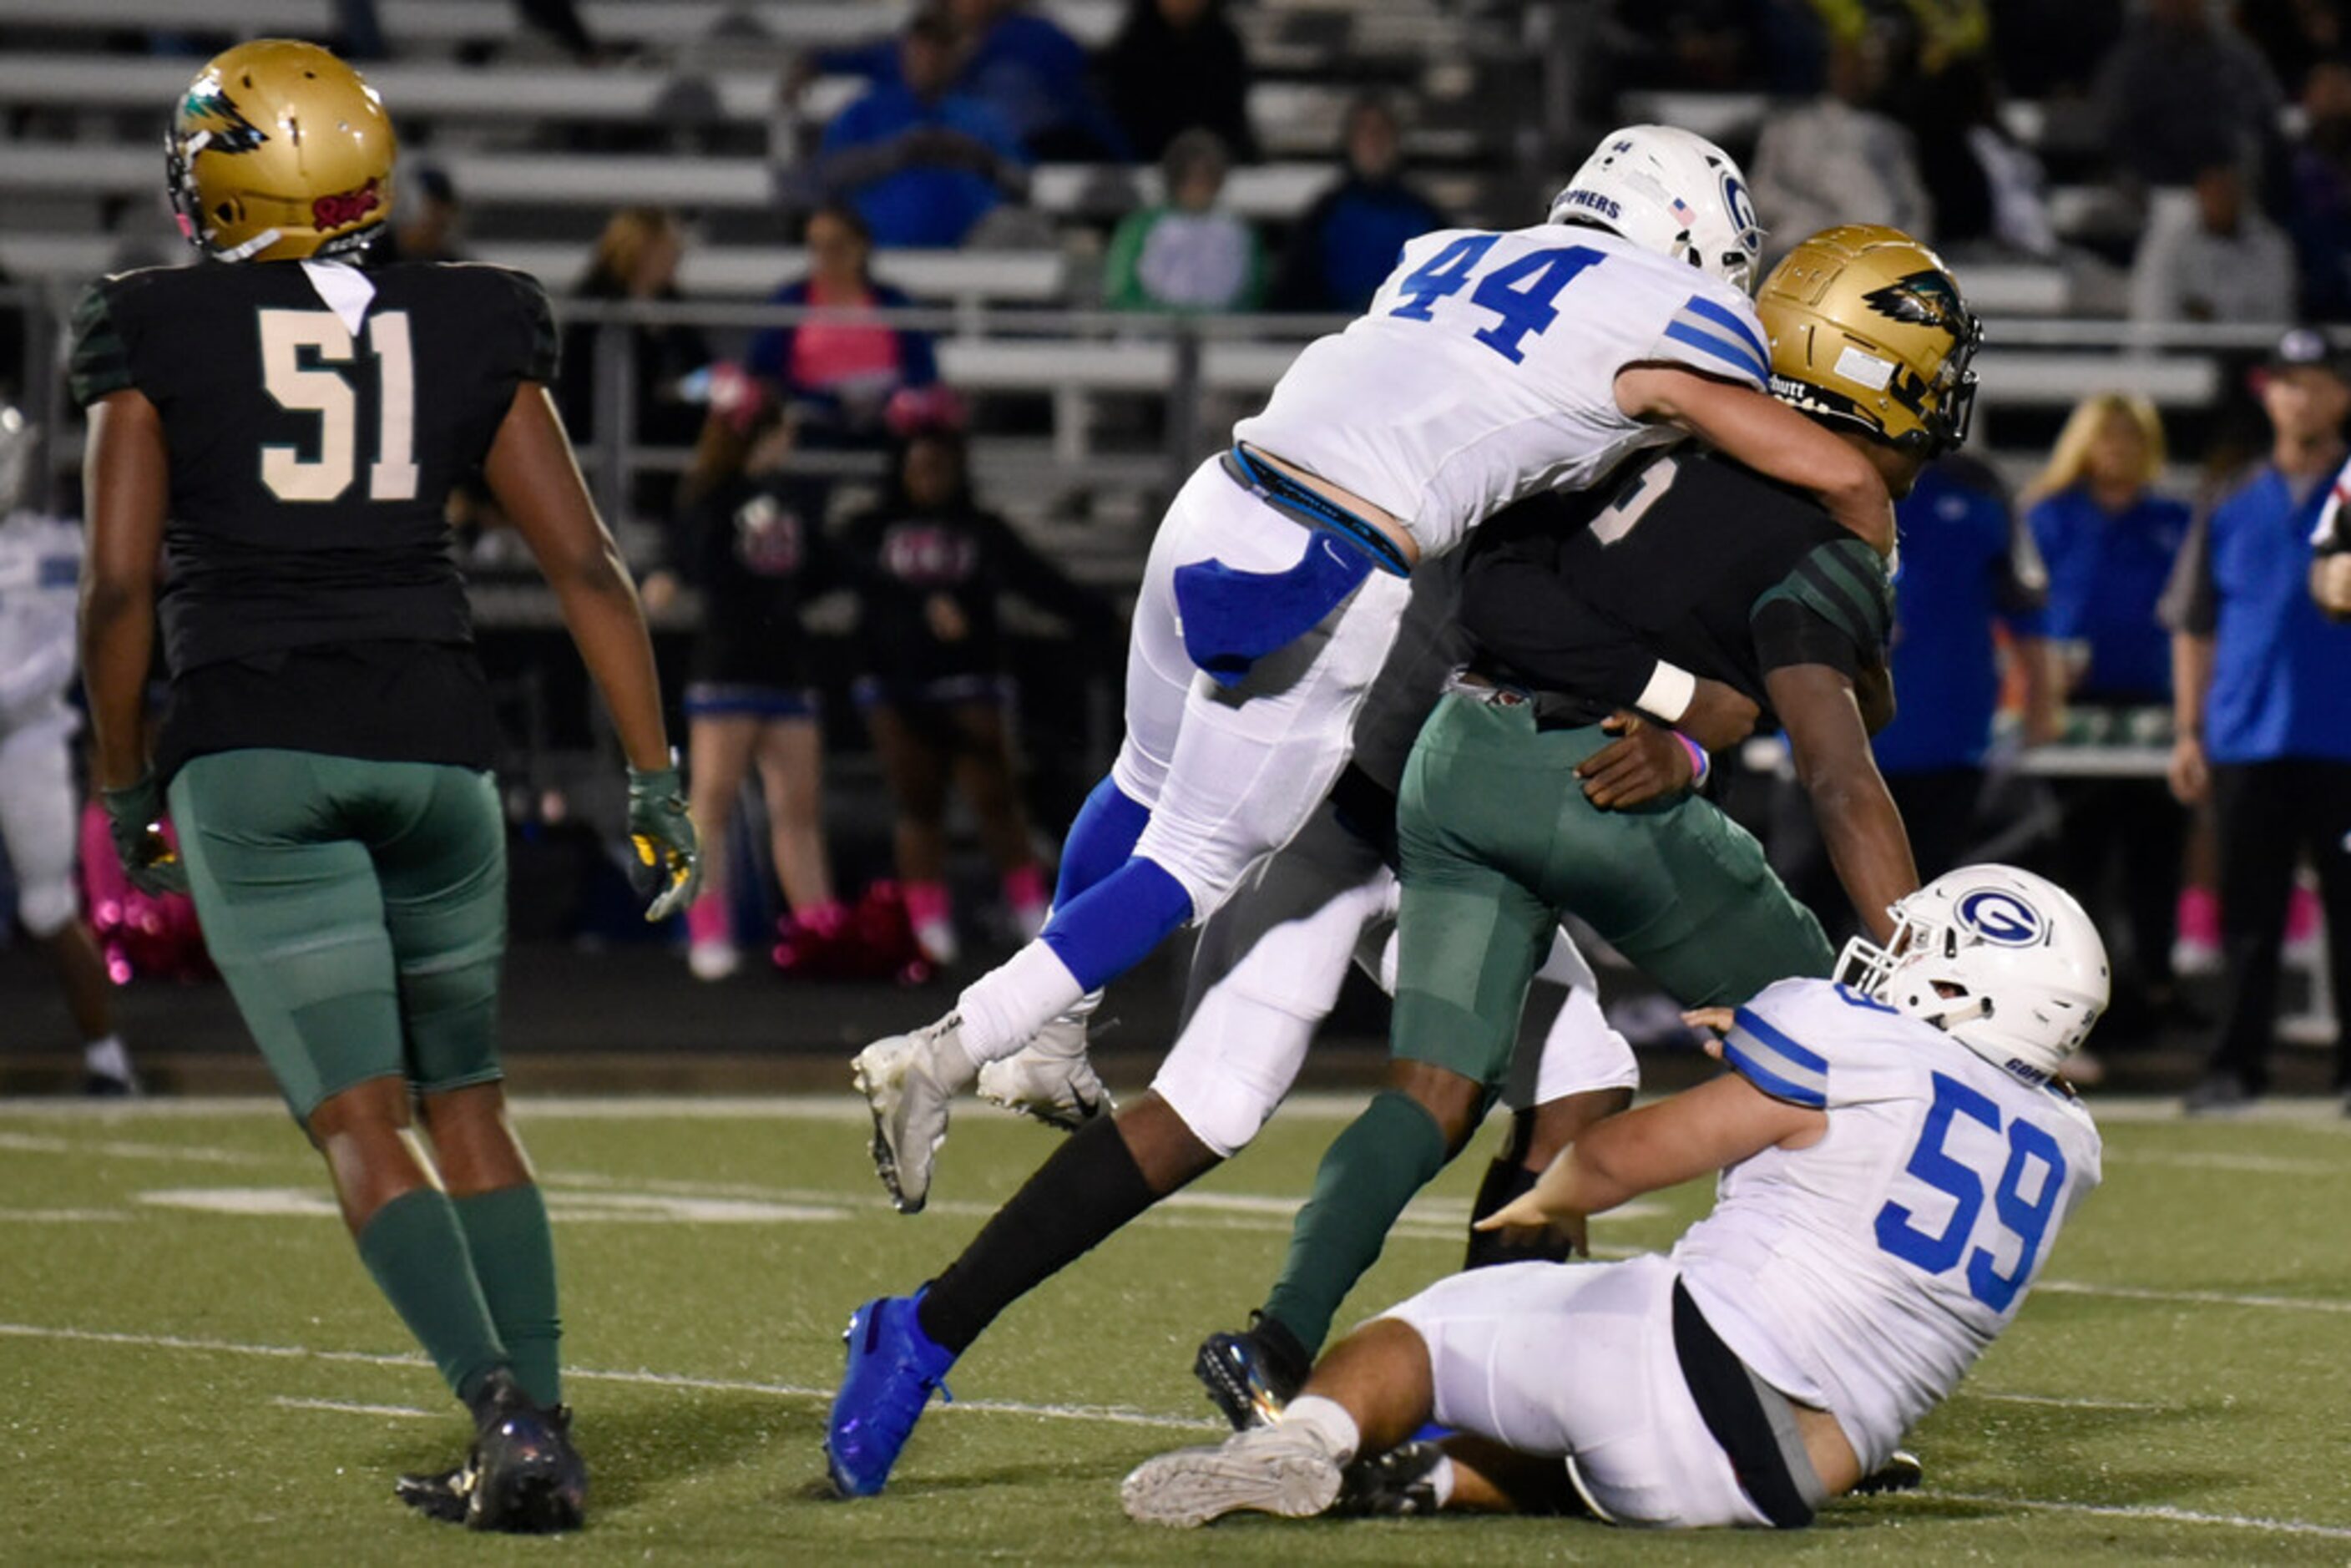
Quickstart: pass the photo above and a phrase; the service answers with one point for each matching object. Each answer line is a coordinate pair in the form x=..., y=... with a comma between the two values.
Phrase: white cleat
x=907, y=1081
x=1281, y=1469
x=1051, y=1078
x=712, y=961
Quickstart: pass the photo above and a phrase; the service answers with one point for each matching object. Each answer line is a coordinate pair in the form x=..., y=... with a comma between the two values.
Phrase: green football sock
x=1373, y=1169
x=514, y=1258
x=417, y=1253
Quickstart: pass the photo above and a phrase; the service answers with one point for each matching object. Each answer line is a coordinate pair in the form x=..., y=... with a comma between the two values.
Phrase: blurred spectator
x=636, y=260
x=2231, y=265
x=2264, y=710
x=1034, y=74
x=1347, y=243
x=2181, y=90
x=1984, y=187
x=1177, y=66
x=932, y=565
x=1967, y=563
x=2110, y=542
x=2295, y=34
x=2319, y=208
x=750, y=535
x=1837, y=160
x=427, y=219
x=920, y=163
x=2053, y=51
x=1186, y=254
x=839, y=375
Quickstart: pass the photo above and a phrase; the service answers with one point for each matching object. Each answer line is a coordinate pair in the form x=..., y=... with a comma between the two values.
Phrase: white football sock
x=1011, y=1002
x=1328, y=1419
x=108, y=1059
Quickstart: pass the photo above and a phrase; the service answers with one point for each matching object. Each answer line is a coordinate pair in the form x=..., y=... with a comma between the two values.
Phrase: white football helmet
x=2001, y=960
x=1672, y=192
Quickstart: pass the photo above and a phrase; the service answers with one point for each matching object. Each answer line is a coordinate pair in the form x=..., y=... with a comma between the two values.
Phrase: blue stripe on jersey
x=1769, y=1082
x=1723, y=349
x=1708, y=310
x=1778, y=1064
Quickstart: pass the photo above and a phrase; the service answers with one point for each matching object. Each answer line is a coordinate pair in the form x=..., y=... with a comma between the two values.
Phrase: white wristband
x=1669, y=693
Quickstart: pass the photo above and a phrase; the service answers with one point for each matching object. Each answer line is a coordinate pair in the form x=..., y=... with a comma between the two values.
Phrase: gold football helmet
x=1868, y=330
x=279, y=150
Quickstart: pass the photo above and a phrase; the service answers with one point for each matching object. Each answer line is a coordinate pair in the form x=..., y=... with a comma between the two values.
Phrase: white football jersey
x=1866, y=1273
x=40, y=571
x=1486, y=370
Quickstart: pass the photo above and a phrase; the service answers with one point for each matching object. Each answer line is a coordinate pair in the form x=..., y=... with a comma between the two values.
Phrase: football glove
x=135, y=817
x=668, y=866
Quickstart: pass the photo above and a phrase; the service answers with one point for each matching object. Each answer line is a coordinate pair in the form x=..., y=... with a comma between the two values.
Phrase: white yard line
x=2155, y=1513
x=344, y=1407
x=2194, y=1298
x=1113, y=1414
x=2061, y=1402
x=116, y=1149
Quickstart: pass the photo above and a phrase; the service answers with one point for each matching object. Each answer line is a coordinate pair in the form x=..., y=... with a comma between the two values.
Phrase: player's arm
x=1768, y=436
x=126, y=482
x=531, y=471
x=1829, y=739
x=1695, y=1132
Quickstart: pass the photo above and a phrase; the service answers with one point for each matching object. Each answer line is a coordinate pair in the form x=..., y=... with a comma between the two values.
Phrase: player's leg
x=2326, y=819
x=791, y=757
x=38, y=810
x=1268, y=970
x=437, y=840
x=1582, y=1071
x=718, y=755
x=1469, y=938
x=983, y=770
x=1259, y=758
x=295, y=920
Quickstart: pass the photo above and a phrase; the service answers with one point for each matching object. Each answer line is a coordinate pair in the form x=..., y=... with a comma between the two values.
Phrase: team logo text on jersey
x=234, y=133
x=2002, y=918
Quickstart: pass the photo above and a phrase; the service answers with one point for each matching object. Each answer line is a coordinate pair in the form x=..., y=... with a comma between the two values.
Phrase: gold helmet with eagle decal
x=1868, y=330
x=279, y=150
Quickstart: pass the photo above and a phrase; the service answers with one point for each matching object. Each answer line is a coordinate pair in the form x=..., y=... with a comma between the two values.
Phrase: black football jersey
x=1689, y=558
x=312, y=460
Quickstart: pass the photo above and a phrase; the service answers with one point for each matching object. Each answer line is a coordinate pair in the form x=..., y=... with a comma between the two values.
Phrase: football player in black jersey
x=1571, y=602
x=282, y=424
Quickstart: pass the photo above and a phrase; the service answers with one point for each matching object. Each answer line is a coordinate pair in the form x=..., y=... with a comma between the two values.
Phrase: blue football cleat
x=892, y=1369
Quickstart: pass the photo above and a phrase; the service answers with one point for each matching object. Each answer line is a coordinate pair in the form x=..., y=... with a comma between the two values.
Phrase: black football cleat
x=444, y=1496
x=526, y=1477
x=1900, y=1473
x=1252, y=1375
x=1398, y=1484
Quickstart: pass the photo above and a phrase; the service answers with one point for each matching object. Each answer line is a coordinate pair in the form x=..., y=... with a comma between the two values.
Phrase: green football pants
x=357, y=910
x=1497, y=842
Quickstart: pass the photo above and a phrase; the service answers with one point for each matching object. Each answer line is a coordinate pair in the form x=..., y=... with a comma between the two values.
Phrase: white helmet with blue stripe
x=1672, y=192
x=2003, y=961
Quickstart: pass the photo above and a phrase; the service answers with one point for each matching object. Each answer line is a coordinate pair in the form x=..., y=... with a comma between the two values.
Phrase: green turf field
x=193, y=1366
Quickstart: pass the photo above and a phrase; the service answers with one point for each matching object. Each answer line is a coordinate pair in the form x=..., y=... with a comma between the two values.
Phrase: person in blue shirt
x=2261, y=693
x=1967, y=563
x=1023, y=66
x=1347, y=243
x=921, y=163
x=2109, y=542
